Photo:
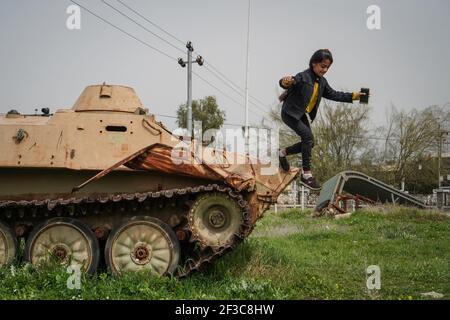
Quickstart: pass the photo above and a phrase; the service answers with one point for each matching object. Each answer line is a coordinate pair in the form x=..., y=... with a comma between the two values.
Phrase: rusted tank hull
x=106, y=172
x=39, y=184
x=243, y=176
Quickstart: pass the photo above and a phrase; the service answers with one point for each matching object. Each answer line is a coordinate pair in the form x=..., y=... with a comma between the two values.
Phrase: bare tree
x=341, y=133
x=411, y=138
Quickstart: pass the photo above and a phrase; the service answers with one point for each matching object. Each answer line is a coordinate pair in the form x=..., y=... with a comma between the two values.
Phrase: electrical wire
x=125, y=32
x=175, y=59
x=152, y=23
x=143, y=27
x=217, y=73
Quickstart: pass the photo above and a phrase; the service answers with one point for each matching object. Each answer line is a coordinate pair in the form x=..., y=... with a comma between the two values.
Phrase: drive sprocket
x=215, y=219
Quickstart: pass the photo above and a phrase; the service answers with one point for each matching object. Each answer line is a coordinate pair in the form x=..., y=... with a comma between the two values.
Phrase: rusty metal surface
x=105, y=125
x=108, y=97
x=87, y=137
x=242, y=177
x=342, y=200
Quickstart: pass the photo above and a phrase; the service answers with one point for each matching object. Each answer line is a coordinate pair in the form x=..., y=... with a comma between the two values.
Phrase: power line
x=239, y=103
x=213, y=86
x=201, y=78
x=159, y=37
x=235, y=90
x=228, y=96
x=212, y=72
x=123, y=31
x=152, y=23
x=217, y=73
x=143, y=27
x=231, y=82
x=220, y=74
x=152, y=47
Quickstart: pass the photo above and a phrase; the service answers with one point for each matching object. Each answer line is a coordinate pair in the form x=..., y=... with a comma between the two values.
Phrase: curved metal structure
x=363, y=187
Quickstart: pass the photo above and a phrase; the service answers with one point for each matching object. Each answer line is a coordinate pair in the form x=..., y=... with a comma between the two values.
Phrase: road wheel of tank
x=143, y=243
x=8, y=245
x=65, y=241
x=214, y=219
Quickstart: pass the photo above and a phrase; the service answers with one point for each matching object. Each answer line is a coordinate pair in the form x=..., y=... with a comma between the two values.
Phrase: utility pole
x=246, y=131
x=189, y=63
x=439, y=154
x=440, y=137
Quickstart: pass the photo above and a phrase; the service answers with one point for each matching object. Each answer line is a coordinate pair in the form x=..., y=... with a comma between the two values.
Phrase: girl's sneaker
x=310, y=183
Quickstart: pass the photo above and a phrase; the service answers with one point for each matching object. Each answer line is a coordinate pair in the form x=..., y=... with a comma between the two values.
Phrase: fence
x=303, y=198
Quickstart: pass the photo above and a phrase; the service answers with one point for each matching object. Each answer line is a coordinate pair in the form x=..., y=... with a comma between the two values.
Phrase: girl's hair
x=319, y=56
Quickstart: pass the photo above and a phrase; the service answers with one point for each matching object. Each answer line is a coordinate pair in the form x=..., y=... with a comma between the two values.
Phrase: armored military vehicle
x=106, y=181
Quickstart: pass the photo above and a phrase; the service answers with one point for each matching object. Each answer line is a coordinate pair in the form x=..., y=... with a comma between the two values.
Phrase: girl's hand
x=358, y=95
x=288, y=81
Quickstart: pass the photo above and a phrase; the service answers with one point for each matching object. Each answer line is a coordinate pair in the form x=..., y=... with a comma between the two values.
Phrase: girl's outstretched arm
x=331, y=94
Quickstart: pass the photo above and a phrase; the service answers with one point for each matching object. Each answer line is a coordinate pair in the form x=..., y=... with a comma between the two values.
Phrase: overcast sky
x=44, y=64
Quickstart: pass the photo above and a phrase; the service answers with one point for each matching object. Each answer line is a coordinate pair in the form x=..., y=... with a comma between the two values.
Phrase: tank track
x=198, y=254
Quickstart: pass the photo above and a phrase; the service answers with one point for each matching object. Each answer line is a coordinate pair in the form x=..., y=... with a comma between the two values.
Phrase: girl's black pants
x=305, y=145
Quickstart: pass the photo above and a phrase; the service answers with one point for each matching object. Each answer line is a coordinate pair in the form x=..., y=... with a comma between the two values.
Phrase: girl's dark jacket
x=299, y=94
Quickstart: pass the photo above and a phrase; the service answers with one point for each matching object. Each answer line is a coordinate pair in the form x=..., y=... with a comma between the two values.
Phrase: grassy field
x=289, y=255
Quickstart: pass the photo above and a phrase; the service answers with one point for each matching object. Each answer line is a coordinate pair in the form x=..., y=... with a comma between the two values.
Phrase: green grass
x=289, y=255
